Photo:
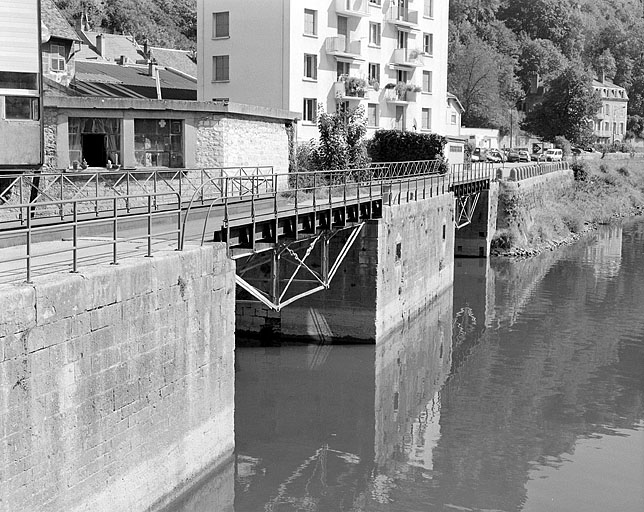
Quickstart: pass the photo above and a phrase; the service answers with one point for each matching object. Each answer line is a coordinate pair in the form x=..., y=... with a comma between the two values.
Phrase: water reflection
x=523, y=389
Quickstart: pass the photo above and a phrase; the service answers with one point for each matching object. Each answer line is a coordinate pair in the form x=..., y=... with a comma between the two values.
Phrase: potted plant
x=355, y=86
x=374, y=84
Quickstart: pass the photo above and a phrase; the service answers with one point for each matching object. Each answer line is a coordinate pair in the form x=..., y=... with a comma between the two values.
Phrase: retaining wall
x=116, y=383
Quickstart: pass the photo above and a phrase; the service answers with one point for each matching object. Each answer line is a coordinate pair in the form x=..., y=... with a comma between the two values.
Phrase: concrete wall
x=396, y=268
x=116, y=384
x=474, y=239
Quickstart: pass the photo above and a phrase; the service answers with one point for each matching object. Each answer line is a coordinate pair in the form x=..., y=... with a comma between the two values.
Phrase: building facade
x=20, y=84
x=306, y=55
x=610, y=123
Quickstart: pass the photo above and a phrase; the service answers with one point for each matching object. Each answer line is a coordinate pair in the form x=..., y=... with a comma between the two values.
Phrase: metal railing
x=45, y=190
x=114, y=231
x=312, y=191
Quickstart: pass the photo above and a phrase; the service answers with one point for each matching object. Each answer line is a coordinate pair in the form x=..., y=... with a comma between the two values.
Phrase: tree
x=569, y=106
x=341, y=144
x=539, y=57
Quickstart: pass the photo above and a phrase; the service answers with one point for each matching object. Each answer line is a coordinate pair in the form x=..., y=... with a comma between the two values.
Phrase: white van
x=553, y=155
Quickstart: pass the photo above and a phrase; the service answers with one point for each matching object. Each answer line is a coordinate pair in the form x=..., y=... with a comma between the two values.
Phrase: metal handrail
x=118, y=237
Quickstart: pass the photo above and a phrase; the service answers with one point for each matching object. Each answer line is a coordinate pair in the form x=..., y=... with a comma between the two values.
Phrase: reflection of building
x=20, y=106
x=388, y=56
x=605, y=255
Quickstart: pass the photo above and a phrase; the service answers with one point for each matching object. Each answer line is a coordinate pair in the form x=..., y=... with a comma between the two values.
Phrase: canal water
x=522, y=389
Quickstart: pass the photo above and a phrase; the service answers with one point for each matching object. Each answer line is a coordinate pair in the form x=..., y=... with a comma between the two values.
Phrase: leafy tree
x=569, y=105
x=540, y=57
x=341, y=144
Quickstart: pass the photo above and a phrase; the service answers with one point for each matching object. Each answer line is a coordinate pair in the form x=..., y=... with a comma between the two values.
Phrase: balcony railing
x=339, y=46
x=342, y=92
x=352, y=7
x=408, y=57
x=402, y=16
x=399, y=96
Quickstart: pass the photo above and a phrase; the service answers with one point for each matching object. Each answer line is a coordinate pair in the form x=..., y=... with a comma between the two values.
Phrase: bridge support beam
x=473, y=239
x=397, y=267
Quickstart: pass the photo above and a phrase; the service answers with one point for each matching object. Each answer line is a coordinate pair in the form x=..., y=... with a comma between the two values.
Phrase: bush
x=399, y=146
x=580, y=171
x=563, y=144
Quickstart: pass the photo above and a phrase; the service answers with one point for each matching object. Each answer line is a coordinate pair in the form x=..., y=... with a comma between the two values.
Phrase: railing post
x=114, y=230
x=74, y=237
x=28, y=243
x=149, y=254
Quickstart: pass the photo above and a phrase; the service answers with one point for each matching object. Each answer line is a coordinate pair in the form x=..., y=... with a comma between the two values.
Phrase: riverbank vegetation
x=602, y=192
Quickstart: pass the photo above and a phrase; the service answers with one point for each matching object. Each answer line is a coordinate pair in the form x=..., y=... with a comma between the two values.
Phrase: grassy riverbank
x=603, y=192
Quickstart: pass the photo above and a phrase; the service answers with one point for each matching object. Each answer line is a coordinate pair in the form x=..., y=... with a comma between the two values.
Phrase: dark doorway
x=93, y=145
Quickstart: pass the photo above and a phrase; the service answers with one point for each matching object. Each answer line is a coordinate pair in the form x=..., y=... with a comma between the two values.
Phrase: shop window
x=95, y=140
x=158, y=142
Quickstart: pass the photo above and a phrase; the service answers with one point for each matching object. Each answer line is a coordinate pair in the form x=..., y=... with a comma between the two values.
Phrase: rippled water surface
x=522, y=389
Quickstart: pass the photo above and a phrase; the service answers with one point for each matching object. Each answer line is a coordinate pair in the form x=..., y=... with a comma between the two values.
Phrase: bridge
x=262, y=216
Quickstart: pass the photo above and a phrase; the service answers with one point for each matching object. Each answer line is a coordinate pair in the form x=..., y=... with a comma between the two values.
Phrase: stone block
x=17, y=308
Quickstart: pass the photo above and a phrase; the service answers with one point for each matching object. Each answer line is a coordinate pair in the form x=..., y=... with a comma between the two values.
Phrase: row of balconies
x=360, y=8
x=340, y=46
x=357, y=89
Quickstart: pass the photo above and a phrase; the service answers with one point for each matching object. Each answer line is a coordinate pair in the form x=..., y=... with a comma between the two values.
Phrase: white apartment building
x=302, y=55
x=610, y=123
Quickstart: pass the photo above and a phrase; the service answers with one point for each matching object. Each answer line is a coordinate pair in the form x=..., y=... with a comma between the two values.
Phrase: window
x=21, y=107
x=309, y=110
x=429, y=9
x=453, y=119
x=372, y=114
x=374, y=73
x=311, y=66
x=374, y=34
x=607, y=109
x=375, y=2
x=57, y=57
x=158, y=142
x=427, y=81
x=220, y=24
x=220, y=68
x=310, y=22
x=621, y=128
x=606, y=126
x=426, y=119
x=399, y=123
x=11, y=80
x=343, y=68
x=403, y=39
x=428, y=44
x=402, y=76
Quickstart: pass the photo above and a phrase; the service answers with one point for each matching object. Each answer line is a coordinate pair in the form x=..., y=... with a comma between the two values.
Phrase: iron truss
x=270, y=276
x=465, y=208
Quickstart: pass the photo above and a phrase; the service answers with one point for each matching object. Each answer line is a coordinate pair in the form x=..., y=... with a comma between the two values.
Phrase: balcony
x=408, y=57
x=401, y=93
x=357, y=8
x=338, y=46
x=350, y=88
x=402, y=17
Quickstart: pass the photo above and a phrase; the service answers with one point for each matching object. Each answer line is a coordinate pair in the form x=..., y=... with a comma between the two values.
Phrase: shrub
x=563, y=144
x=399, y=146
x=580, y=171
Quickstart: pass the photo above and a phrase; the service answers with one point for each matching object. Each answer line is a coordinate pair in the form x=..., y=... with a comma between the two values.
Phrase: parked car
x=513, y=155
x=494, y=155
x=478, y=155
x=553, y=155
x=524, y=156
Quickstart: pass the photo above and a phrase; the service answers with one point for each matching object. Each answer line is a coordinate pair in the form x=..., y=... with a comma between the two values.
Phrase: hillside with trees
x=497, y=46
x=165, y=23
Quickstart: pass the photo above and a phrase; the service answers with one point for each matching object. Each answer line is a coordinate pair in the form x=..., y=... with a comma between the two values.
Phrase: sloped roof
x=106, y=79
x=176, y=59
x=53, y=19
x=115, y=46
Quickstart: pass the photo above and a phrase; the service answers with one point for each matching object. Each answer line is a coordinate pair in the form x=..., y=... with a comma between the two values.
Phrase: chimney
x=100, y=44
x=123, y=60
x=146, y=49
x=152, y=68
x=601, y=76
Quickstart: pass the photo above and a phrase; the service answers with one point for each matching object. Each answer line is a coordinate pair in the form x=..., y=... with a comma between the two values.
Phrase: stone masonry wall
x=415, y=259
x=116, y=383
x=474, y=239
x=228, y=141
x=50, y=122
